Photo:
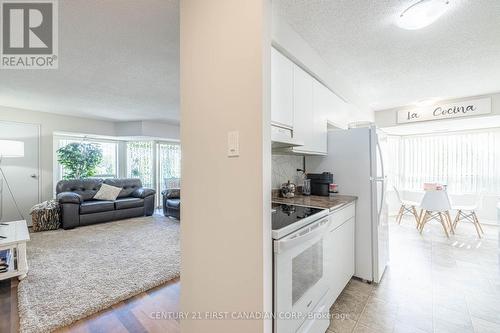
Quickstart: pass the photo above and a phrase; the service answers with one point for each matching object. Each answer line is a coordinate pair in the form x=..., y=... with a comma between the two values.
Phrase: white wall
x=157, y=129
x=50, y=123
x=147, y=128
x=226, y=215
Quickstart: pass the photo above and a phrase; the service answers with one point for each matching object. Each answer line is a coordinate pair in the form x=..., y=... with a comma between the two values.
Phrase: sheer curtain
x=170, y=165
x=140, y=162
x=468, y=162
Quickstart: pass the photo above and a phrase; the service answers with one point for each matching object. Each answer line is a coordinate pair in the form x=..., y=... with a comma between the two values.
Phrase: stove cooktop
x=285, y=215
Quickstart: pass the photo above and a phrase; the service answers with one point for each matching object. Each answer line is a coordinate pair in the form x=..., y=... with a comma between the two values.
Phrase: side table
x=14, y=236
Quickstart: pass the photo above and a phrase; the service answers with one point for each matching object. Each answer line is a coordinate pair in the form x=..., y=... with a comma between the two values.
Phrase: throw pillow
x=173, y=193
x=107, y=192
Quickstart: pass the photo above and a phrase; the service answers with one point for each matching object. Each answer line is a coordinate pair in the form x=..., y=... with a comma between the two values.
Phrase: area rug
x=75, y=273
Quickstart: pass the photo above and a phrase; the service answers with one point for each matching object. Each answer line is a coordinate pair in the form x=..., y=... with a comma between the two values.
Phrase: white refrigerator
x=355, y=157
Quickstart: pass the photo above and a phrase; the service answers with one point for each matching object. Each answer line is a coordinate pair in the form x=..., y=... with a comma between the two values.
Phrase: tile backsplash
x=284, y=168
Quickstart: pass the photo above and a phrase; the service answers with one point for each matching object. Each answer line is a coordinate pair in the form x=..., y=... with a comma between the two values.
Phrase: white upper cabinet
x=281, y=90
x=311, y=107
x=322, y=106
x=303, y=110
x=303, y=104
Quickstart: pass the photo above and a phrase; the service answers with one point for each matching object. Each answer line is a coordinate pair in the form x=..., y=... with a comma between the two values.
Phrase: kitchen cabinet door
x=321, y=108
x=350, y=236
x=341, y=263
x=334, y=267
x=303, y=110
x=281, y=90
x=311, y=107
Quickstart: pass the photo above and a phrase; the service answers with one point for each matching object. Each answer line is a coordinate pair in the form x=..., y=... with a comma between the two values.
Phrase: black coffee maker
x=320, y=183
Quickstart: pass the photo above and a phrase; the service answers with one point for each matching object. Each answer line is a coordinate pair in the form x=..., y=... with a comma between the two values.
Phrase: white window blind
x=140, y=161
x=468, y=162
x=169, y=158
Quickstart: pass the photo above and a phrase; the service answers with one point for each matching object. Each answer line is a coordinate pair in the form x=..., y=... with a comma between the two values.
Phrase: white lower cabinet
x=340, y=243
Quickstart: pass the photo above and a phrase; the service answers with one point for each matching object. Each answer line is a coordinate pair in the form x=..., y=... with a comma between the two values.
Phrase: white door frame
x=39, y=169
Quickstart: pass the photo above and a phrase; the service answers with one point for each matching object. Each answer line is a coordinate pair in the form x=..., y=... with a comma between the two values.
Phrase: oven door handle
x=312, y=233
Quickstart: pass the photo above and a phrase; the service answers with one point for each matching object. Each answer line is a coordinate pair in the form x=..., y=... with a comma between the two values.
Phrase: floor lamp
x=9, y=148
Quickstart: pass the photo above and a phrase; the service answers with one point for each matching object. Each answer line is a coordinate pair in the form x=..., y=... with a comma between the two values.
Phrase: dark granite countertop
x=331, y=202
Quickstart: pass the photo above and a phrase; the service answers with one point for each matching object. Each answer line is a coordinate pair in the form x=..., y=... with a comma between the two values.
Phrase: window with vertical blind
x=169, y=164
x=468, y=162
x=156, y=163
x=140, y=162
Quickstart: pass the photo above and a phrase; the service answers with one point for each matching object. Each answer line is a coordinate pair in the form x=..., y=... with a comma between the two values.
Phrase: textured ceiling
x=118, y=59
x=457, y=56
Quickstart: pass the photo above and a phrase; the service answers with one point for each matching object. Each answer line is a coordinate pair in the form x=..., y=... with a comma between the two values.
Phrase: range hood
x=282, y=137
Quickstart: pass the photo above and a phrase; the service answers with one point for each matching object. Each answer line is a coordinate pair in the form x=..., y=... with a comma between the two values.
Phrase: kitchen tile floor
x=433, y=284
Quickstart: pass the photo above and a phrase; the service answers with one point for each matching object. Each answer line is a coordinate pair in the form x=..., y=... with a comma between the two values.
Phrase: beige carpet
x=75, y=273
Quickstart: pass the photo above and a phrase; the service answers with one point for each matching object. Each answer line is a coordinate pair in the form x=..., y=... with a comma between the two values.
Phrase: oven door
x=299, y=275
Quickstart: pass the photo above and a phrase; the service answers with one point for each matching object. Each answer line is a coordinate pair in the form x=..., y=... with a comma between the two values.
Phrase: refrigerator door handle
x=381, y=159
x=382, y=180
x=381, y=200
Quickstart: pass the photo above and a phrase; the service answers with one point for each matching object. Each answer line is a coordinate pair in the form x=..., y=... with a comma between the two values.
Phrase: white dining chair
x=468, y=213
x=407, y=207
x=436, y=205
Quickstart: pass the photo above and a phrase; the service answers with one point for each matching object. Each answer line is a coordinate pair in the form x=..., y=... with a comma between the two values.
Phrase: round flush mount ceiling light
x=422, y=13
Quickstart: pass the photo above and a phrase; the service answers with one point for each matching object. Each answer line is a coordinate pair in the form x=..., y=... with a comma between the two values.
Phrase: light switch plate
x=233, y=144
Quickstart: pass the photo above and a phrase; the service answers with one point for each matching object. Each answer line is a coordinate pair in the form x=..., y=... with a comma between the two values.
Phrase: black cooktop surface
x=284, y=215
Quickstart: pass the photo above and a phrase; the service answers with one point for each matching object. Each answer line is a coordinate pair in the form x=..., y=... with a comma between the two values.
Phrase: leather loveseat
x=78, y=208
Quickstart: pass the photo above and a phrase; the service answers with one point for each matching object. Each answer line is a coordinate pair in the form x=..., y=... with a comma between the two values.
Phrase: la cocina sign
x=446, y=111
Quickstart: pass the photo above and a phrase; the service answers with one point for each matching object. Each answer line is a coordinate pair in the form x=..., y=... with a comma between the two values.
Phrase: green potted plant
x=79, y=160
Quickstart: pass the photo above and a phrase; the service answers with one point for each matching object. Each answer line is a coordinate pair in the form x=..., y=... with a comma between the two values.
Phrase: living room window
x=157, y=164
x=108, y=168
x=140, y=162
x=169, y=165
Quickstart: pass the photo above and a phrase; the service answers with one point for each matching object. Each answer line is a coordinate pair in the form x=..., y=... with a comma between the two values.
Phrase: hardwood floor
x=9, y=320
x=434, y=284
x=140, y=314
